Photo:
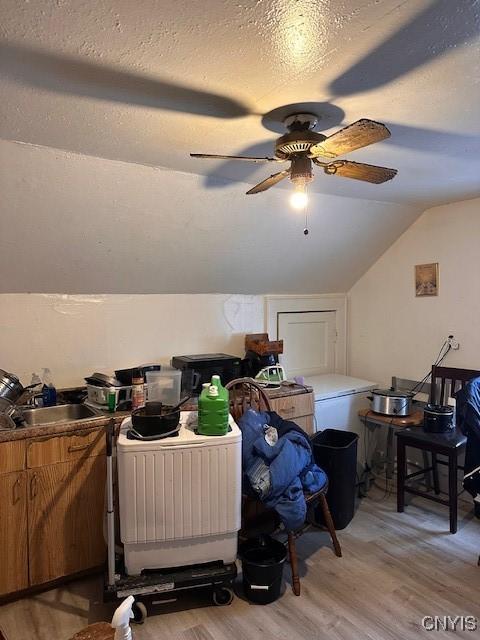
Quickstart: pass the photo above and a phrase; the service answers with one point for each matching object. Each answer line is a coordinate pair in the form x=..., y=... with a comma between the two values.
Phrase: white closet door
x=309, y=342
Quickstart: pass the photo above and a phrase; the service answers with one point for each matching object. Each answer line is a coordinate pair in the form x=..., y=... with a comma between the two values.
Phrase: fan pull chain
x=305, y=230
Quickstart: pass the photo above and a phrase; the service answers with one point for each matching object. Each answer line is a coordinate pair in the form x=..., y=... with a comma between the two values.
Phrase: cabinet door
x=65, y=515
x=13, y=532
x=309, y=342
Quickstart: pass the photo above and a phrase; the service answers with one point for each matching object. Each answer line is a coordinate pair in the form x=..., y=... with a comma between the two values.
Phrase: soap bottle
x=49, y=393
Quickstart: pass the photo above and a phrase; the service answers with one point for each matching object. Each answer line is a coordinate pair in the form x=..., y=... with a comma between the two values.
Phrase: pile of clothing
x=468, y=421
x=278, y=465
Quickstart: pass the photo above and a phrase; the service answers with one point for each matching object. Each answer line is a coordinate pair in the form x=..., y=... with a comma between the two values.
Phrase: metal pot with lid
x=390, y=402
x=10, y=386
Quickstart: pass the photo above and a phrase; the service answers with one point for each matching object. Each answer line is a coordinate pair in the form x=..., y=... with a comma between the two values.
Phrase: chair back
x=246, y=394
x=446, y=381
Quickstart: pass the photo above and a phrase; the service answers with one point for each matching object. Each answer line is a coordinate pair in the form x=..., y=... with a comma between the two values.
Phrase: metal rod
x=110, y=507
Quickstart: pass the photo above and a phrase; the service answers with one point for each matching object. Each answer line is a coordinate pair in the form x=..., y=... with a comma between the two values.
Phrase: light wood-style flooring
x=396, y=569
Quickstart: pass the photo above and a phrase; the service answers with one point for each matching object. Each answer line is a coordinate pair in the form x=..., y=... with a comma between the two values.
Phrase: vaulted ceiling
x=150, y=81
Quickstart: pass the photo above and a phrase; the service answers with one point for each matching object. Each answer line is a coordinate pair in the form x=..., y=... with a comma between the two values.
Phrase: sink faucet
x=29, y=397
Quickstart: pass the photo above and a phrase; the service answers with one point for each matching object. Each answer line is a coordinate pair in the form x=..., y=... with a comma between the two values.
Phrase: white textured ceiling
x=148, y=81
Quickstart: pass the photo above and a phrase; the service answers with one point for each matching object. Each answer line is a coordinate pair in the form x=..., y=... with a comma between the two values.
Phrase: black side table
x=449, y=445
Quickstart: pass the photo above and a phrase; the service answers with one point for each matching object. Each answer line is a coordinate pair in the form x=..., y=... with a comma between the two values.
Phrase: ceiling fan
x=303, y=147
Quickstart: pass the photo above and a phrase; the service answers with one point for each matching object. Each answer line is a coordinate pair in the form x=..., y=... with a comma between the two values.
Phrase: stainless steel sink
x=59, y=413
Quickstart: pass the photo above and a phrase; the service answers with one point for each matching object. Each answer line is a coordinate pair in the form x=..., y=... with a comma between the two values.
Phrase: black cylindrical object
x=437, y=418
x=262, y=566
x=336, y=453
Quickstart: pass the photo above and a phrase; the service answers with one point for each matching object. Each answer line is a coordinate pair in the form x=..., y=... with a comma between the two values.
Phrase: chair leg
x=401, y=463
x=292, y=553
x=327, y=516
x=428, y=474
x=436, y=480
x=453, y=490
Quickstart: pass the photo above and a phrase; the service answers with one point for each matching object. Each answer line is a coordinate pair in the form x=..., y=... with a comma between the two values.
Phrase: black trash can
x=335, y=452
x=262, y=566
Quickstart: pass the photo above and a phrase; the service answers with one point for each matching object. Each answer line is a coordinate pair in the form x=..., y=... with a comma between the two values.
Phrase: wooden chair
x=446, y=381
x=246, y=394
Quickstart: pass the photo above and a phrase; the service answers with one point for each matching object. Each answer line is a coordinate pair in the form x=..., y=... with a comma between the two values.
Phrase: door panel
x=309, y=342
x=66, y=504
x=13, y=532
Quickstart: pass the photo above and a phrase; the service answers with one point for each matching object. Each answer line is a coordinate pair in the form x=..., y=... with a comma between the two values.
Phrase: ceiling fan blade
x=269, y=182
x=440, y=27
x=355, y=136
x=246, y=158
x=359, y=171
x=69, y=75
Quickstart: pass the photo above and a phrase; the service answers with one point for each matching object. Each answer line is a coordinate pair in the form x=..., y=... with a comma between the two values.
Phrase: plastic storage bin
x=99, y=395
x=335, y=452
x=262, y=566
x=164, y=385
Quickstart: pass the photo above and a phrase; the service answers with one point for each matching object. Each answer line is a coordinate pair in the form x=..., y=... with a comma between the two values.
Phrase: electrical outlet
x=454, y=344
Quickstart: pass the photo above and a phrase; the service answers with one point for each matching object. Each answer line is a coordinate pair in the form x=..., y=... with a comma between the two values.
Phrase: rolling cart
x=163, y=584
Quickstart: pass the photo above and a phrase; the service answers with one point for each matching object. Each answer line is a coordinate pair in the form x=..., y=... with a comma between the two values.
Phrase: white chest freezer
x=338, y=399
x=180, y=497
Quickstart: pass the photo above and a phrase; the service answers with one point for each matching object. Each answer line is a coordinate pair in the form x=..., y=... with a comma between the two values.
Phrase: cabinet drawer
x=293, y=406
x=54, y=449
x=306, y=423
x=12, y=456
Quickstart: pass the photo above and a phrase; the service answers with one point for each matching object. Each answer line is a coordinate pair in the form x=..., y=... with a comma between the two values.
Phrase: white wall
x=391, y=332
x=79, y=224
x=76, y=335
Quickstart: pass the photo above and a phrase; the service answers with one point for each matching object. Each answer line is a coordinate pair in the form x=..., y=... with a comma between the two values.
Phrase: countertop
x=59, y=428
x=67, y=426
x=288, y=390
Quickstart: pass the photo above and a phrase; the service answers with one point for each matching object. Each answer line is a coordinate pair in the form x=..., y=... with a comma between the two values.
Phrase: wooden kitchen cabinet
x=65, y=517
x=298, y=407
x=51, y=507
x=13, y=532
x=66, y=489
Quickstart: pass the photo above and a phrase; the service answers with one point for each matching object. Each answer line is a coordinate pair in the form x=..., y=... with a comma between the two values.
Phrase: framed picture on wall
x=426, y=279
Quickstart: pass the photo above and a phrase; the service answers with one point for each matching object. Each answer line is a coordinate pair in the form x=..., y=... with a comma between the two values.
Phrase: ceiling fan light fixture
x=299, y=198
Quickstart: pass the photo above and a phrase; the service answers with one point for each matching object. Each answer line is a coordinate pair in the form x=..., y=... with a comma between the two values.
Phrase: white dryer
x=180, y=497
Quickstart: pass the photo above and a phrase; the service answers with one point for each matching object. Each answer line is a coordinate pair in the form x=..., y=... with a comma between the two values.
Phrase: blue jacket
x=279, y=472
x=468, y=421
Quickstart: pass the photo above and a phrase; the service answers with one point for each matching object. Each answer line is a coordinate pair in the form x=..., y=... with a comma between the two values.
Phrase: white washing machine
x=180, y=497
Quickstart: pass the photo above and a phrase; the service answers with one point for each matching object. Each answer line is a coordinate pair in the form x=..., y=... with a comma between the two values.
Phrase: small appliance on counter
x=392, y=402
x=271, y=377
x=438, y=418
x=198, y=369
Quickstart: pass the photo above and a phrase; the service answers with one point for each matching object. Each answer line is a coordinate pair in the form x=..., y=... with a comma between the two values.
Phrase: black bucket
x=262, y=566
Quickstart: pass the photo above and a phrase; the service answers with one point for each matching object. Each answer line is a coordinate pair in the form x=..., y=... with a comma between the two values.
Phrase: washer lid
x=187, y=436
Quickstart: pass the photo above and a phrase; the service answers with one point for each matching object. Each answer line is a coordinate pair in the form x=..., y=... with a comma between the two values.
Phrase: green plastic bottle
x=213, y=409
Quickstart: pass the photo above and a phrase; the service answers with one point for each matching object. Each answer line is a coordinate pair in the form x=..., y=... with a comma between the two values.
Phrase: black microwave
x=199, y=368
